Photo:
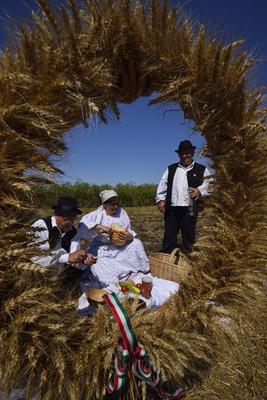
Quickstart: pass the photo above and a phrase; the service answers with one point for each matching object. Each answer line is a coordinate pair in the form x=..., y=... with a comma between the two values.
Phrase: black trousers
x=176, y=219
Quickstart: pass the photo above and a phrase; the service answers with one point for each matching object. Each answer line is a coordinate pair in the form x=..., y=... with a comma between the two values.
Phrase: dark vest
x=54, y=235
x=195, y=178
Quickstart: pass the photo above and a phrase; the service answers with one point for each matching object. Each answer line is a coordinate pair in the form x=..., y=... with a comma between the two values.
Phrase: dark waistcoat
x=54, y=235
x=195, y=178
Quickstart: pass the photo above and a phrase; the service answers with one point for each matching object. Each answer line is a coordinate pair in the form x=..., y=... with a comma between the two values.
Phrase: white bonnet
x=107, y=194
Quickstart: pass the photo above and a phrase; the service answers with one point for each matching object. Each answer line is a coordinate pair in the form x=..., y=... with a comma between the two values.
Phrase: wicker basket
x=173, y=267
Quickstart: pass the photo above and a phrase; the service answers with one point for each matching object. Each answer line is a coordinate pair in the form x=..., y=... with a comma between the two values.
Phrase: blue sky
x=138, y=148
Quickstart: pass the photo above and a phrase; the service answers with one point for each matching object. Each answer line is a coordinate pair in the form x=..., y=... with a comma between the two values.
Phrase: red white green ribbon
x=120, y=360
x=129, y=356
x=123, y=321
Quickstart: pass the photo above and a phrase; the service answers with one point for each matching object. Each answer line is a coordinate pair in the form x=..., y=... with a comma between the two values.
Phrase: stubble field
x=148, y=223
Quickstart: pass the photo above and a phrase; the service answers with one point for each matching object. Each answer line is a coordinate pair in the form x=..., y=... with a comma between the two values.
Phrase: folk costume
x=57, y=243
x=115, y=263
x=181, y=211
x=50, y=238
x=124, y=259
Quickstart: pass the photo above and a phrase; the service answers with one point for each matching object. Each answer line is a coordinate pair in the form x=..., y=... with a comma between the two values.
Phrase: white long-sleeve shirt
x=180, y=196
x=55, y=258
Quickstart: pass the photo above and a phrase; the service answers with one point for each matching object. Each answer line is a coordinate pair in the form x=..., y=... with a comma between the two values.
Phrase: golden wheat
x=67, y=67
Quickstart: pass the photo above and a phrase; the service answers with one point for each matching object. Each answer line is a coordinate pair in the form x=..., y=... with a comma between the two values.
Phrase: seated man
x=115, y=262
x=55, y=233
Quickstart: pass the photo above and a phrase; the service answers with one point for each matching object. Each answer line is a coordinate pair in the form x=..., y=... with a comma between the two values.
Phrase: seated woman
x=114, y=263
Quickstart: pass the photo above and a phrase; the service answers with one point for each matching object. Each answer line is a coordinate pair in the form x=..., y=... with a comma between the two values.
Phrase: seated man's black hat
x=185, y=145
x=66, y=206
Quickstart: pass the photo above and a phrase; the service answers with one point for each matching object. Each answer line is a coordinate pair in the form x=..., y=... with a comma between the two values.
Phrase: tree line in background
x=87, y=195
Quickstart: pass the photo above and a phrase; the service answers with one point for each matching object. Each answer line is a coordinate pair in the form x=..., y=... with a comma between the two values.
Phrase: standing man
x=54, y=234
x=181, y=185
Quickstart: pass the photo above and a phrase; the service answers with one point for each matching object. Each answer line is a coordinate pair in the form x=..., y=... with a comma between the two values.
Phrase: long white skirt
x=117, y=263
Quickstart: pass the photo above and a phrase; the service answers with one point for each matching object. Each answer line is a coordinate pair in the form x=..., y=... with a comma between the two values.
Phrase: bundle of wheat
x=67, y=67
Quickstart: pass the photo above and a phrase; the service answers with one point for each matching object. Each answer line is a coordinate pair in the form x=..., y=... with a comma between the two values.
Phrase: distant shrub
x=87, y=195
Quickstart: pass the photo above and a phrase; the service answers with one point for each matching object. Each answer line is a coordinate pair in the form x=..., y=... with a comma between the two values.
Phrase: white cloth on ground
x=161, y=291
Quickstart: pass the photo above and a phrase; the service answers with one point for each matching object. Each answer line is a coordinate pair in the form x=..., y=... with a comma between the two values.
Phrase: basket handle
x=173, y=254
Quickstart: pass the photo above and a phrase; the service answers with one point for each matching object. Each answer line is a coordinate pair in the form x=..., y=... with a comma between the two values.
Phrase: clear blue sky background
x=138, y=148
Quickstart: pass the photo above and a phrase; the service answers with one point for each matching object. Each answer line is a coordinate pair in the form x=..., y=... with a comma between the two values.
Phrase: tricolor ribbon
x=123, y=321
x=129, y=356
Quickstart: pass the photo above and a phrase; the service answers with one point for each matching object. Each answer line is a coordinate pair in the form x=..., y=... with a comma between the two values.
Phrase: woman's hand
x=103, y=229
x=125, y=235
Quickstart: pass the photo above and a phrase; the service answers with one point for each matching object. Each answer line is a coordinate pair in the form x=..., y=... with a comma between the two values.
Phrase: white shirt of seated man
x=65, y=212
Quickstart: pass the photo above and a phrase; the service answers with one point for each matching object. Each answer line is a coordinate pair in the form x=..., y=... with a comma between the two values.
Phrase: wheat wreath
x=74, y=63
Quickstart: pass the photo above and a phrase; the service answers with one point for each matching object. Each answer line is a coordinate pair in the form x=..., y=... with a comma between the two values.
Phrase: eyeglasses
x=69, y=218
x=185, y=152
x=113, y=203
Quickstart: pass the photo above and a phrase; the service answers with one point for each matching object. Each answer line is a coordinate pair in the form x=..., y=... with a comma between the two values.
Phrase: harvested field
x=148, y=224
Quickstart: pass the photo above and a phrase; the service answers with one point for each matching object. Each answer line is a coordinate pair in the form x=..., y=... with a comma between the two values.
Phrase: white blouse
x=86, y=228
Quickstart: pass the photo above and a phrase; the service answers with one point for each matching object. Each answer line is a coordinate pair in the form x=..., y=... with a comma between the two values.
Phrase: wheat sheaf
x=68, y=66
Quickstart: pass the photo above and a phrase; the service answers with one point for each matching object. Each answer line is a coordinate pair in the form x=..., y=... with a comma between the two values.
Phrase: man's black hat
x=185, y=145
x=66, y=206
